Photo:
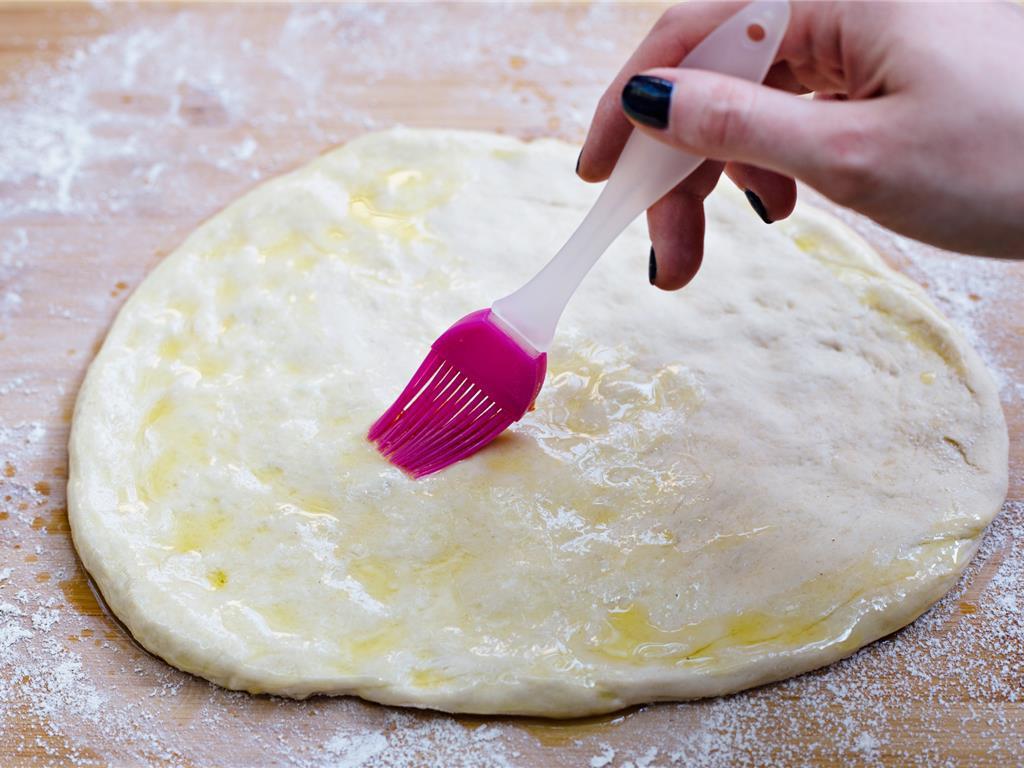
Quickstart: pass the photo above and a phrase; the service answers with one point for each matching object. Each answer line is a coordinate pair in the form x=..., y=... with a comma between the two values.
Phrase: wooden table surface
x=122, y=128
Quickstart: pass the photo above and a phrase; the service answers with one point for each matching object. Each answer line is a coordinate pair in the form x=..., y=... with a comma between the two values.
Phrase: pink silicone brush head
x=474, y=383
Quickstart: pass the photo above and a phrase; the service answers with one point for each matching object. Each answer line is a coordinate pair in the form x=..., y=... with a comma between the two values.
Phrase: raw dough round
x=719, y=487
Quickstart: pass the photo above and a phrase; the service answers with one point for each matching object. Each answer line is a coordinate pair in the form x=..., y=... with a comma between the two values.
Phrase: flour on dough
x=719, y=487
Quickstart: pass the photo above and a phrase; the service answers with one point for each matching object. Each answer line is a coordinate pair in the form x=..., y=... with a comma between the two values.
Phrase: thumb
x=825, y=143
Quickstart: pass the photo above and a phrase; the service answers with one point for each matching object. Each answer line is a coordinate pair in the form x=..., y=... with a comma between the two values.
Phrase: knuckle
x=852, y=165
x=670, y=19
x=725, y=121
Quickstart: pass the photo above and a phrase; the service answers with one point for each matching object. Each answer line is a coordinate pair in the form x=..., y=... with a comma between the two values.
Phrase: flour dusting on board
x=149, y=117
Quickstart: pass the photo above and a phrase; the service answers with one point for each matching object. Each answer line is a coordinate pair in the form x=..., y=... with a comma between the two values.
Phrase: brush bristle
x=441, y=417
x=476, y=382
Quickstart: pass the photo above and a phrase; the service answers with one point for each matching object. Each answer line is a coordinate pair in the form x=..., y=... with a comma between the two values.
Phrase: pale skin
x=917, y=121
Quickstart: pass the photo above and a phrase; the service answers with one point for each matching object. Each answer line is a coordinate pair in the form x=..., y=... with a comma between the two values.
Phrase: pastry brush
x=484, y=373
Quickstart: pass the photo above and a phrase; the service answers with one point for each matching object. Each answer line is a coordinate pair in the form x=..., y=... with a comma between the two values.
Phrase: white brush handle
x=744, y=46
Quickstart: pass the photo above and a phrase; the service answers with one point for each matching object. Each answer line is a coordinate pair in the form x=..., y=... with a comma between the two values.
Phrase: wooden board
x=122, y=128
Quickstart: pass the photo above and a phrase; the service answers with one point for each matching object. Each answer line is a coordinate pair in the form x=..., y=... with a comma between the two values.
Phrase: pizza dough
x=719, y=487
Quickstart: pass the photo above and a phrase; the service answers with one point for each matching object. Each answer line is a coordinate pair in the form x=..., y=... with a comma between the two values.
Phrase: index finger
x=672, y=37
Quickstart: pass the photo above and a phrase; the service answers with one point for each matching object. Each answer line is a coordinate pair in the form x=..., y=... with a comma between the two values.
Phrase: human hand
x=917, y=121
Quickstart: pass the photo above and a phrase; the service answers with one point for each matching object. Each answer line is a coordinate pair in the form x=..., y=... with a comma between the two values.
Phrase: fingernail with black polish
x=652, y=268
x=757, y=205
x=578, y=158
x=646, y=100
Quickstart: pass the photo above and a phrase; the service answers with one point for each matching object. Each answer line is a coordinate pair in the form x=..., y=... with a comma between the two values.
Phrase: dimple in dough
x=718, y=488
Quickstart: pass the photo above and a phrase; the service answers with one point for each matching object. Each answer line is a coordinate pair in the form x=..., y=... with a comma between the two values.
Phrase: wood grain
x=74, y=252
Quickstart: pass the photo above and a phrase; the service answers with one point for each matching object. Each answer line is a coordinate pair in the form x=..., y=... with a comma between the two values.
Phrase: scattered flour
x=115, y=124
x=604, y=758
x=354, y=750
